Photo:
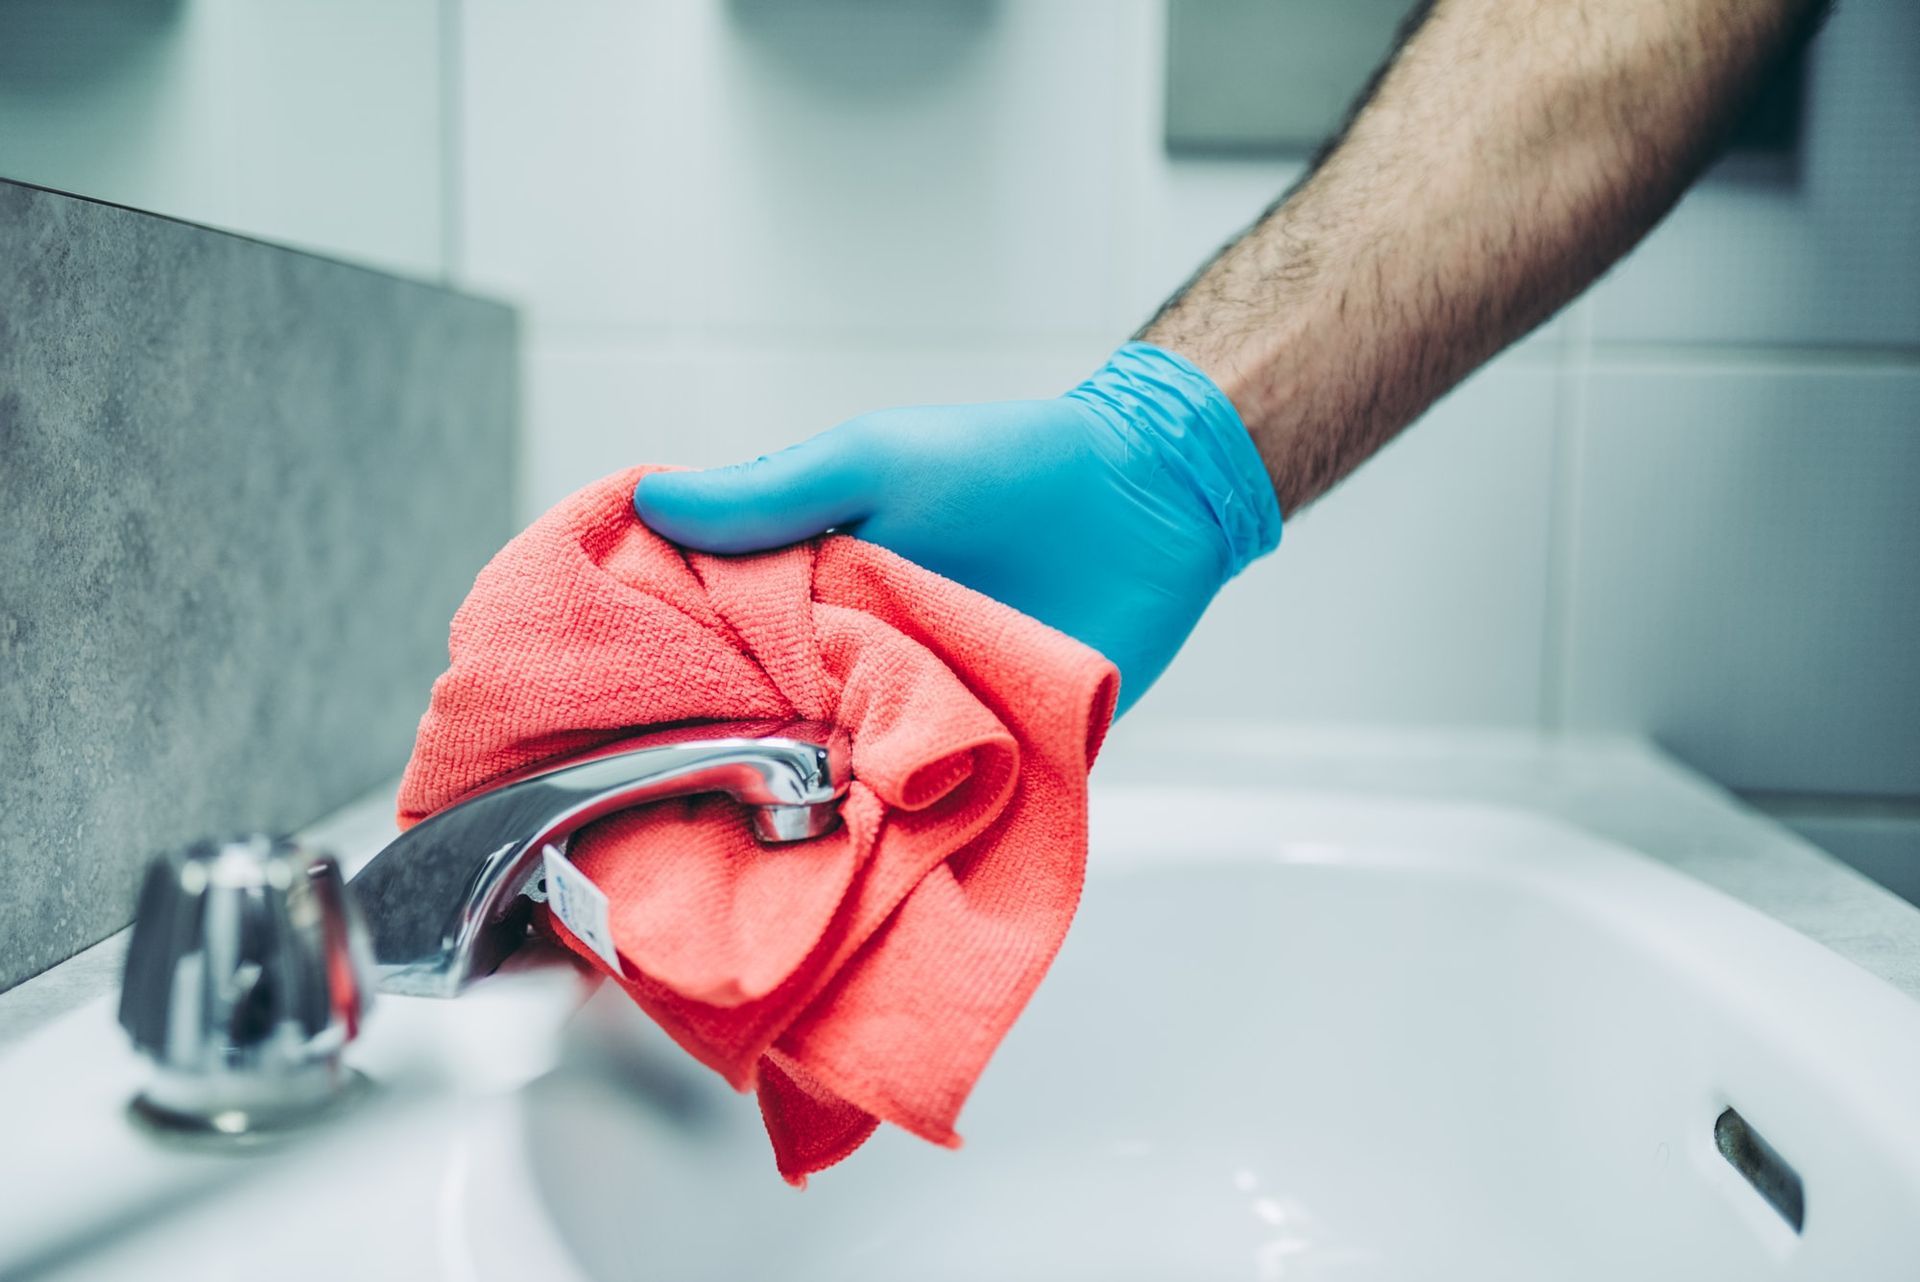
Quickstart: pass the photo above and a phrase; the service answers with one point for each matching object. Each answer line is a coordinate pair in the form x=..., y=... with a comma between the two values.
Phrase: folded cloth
x=864, y=976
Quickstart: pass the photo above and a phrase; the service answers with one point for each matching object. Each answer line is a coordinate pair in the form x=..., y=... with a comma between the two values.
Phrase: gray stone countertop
x=1616, y=788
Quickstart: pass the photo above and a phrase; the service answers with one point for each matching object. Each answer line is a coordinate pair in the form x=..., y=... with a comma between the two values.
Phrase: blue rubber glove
x=1113, y=513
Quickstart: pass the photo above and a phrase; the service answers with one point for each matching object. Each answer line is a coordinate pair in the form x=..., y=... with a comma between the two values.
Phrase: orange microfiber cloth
x=864, y=976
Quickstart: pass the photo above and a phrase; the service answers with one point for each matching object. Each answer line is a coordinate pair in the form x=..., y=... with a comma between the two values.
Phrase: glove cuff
x=1168, y=398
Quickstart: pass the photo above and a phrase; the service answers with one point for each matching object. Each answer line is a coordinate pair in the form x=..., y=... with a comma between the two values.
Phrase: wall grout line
x=1138, y=130
x=1772, y=357
x=667, y=338
x=1599, y=357
x=1569, y=426
x=452, y=144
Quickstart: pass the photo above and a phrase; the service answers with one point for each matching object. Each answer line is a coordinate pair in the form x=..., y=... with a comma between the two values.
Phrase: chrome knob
x=247, y=975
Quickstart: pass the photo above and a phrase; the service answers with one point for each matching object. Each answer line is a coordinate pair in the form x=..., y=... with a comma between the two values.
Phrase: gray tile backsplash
x=243, y=488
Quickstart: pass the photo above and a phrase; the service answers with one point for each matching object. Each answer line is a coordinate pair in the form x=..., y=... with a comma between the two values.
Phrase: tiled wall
x=244, y=490
x=1686, y=507
x=310, y=122
x=1742, y=435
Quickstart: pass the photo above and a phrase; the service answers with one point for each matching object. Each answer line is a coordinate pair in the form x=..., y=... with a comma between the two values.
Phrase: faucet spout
x=446, y=903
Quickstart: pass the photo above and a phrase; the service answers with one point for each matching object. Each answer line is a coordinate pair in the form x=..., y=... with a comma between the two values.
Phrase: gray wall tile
x=244, y=490
x=1744, y=584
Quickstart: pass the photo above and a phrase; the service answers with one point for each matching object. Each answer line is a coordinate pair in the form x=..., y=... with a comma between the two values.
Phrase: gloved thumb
x=773, y=501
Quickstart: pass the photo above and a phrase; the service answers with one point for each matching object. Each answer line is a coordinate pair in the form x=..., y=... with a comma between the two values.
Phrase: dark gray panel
x=1276, y=77
x=244, y=489
x=1270, y=76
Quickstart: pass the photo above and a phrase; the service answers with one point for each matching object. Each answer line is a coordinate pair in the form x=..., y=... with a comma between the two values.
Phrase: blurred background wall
x=244, y=486
x=1685, y=508
x=318, y=123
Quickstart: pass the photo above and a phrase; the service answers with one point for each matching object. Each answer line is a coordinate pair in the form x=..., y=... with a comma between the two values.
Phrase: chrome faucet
x=449, y=900
x=246, y=977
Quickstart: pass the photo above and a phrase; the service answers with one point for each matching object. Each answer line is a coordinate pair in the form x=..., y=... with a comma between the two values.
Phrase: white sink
x=1290, y=1037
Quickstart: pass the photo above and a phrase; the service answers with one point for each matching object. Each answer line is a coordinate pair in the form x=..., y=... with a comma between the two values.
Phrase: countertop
x=1617, y=788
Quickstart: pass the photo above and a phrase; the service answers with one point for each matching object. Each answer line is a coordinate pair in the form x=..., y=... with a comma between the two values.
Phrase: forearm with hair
x=1505, y=157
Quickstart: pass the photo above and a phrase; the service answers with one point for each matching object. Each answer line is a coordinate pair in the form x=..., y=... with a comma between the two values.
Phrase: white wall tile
x=749, y=167
x=579, y=185
x=1178, y=212
x=312, y=122
x=1415, y=592
x=591, y=410
x=1186, y=211
x=946, y=167
x=333, y=131
x=1744, y=585
x=757, y=401
x=1884, y=847
x=1831, y=259
x=597, y=406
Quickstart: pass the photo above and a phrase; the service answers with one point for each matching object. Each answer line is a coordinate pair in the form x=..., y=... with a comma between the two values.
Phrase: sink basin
x=1290, y=1036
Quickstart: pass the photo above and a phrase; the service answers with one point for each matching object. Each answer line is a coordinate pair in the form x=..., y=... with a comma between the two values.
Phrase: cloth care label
x=579, y=903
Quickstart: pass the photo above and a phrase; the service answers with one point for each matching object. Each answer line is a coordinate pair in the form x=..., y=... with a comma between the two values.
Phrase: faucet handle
x=247, y=975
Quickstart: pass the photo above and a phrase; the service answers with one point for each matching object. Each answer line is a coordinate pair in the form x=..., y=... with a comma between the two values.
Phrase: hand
x=1113, y=513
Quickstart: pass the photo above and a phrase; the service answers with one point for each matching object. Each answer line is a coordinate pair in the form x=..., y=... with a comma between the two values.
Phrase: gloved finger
x=773, y=501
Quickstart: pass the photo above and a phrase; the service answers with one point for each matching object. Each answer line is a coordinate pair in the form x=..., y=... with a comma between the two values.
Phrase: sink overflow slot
x=1763, y=1168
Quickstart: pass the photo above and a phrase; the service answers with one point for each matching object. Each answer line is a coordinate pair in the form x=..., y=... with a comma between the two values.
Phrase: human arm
x=1503, y=159
x=1509, y=152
